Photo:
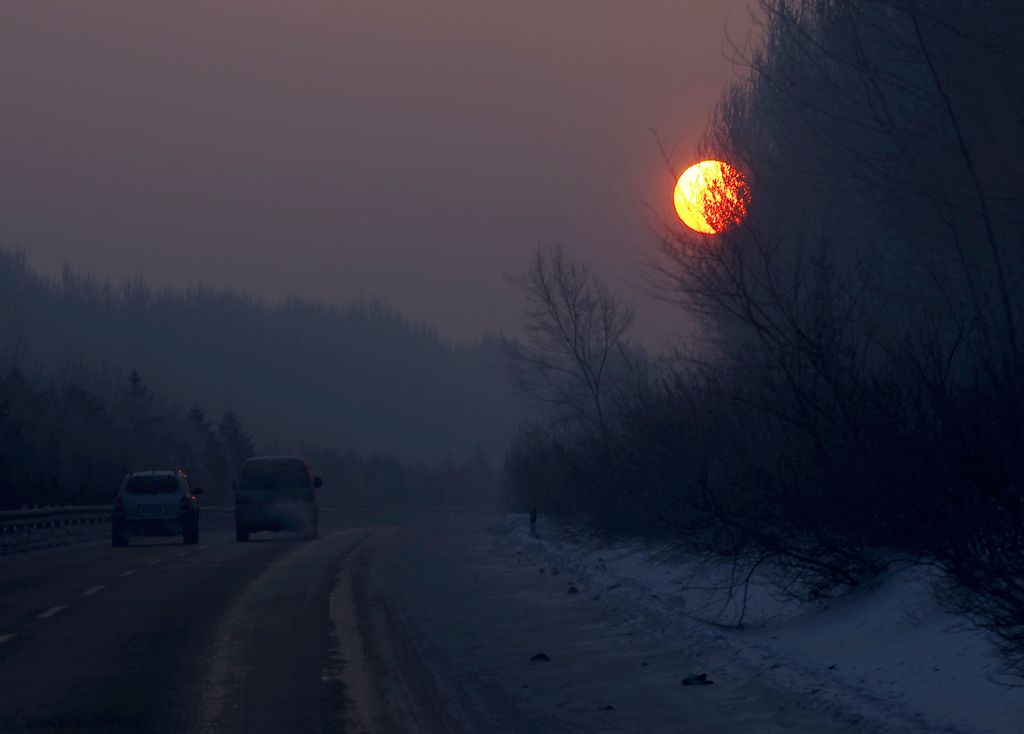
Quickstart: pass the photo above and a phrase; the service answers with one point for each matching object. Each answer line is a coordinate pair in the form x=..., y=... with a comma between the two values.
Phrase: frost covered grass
x=887, y=657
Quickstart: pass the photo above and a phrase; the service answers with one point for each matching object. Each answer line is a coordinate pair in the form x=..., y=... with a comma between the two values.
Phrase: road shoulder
x=478, y=613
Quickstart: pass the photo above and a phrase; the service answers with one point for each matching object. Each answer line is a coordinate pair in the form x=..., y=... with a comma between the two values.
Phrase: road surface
x=418, y=627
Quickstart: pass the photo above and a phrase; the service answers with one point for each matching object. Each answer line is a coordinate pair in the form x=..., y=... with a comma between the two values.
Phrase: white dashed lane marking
x=153, y=563
x=93, y=590
x=5, y=638
x=126, y=573
x=51, y=611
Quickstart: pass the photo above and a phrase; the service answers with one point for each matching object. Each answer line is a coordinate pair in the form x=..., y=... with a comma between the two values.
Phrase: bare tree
x=574, y=338
x=871, y=303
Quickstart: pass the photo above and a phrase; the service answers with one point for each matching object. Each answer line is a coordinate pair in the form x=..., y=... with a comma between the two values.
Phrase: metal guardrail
x=40, y=528
x=14, y=521
x=39, y=518
x=49, y=527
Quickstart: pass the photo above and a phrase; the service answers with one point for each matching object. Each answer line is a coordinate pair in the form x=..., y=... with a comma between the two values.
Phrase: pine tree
x=145, y=446
x=210, y=451
x=236, y=440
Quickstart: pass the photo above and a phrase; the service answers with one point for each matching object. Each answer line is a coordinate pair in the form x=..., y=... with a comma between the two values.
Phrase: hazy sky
x=416, y=149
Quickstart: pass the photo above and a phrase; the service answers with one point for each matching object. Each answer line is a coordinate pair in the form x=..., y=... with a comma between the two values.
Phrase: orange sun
x=711, y=197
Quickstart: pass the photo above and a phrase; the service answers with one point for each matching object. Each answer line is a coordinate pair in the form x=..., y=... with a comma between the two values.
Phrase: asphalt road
x=421, y=628
x=161, y=637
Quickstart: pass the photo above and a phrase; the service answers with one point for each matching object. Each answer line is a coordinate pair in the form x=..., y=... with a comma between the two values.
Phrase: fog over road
x=423, y=626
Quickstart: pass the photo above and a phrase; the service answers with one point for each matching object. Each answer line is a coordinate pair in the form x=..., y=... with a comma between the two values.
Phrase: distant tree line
x=359, y=376
x=858, y=398
x=73, y=443
x=381, y=480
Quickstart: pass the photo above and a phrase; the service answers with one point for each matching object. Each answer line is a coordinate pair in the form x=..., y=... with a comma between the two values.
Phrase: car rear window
x=152, y=485
x=274, y=475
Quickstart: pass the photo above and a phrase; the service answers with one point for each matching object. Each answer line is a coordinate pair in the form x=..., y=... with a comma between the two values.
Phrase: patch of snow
x=886, y=658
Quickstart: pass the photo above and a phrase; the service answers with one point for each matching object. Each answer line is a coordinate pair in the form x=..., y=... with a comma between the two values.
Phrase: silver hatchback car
x=155, y=503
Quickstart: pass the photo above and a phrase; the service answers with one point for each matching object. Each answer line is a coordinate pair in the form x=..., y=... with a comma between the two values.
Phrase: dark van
x=276, y=493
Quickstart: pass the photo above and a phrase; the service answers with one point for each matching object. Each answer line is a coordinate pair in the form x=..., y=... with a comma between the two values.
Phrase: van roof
x=275, y=459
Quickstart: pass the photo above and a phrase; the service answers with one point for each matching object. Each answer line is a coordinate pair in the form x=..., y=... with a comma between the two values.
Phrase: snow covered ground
x=886, y=659
x=458, y=623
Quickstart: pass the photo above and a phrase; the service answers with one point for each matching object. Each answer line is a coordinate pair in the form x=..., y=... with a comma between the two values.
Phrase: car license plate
x=151, y=510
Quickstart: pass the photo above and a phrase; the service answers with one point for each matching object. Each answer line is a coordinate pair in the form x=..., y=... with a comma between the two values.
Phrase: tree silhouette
x=236, y=440
x=575, y=332
x=209, y=452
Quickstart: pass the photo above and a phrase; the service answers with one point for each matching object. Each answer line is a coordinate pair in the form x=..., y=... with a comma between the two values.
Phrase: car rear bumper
x=296, y=516
x=165, y=526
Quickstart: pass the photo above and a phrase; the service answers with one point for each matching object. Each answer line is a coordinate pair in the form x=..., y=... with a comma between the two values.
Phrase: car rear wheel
x=190, y=533
x=241, y=534
x=118, y=536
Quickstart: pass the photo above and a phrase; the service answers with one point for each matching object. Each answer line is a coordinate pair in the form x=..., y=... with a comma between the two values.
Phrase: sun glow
x=711, y=196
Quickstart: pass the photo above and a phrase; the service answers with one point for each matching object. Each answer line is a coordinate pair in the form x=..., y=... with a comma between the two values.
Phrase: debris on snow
x=697, y=680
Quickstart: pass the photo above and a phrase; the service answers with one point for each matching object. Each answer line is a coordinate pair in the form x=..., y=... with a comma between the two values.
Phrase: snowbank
x=887, y=659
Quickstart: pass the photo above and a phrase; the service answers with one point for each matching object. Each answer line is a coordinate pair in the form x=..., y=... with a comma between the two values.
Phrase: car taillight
x=186, y=503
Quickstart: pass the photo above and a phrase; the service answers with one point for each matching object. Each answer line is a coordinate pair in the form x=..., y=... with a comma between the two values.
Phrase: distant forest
x=98, y=379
